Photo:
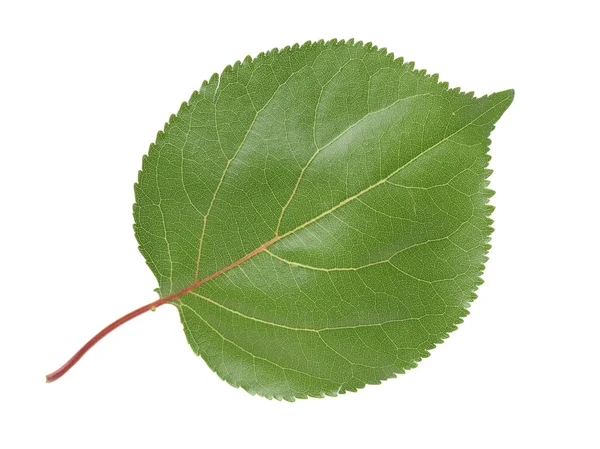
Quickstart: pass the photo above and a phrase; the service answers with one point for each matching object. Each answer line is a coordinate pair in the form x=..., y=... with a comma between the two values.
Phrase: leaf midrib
x=278, y=238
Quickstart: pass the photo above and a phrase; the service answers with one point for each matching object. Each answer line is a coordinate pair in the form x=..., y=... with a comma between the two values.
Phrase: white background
x=83, y=90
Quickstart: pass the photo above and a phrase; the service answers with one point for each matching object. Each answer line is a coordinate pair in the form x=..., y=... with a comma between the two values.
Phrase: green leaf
x=319, y=216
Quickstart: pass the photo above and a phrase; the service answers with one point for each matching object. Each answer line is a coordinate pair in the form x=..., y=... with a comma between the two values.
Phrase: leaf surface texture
x=329, y=204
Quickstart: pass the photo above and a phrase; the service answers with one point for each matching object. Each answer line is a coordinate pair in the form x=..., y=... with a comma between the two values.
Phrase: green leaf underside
x=357, y=185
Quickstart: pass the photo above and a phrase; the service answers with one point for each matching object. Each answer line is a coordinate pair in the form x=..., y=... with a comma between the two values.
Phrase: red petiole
x=152, y=306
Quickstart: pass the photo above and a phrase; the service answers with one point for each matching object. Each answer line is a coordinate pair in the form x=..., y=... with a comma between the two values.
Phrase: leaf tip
x=510, y=93
x=507, y=96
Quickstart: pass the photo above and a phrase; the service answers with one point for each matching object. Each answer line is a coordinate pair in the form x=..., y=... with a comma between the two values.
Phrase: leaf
x=334, y=200
x=319, y=216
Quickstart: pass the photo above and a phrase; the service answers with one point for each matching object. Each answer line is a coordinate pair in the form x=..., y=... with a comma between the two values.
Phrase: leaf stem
x=100, y=335
x=152, y=306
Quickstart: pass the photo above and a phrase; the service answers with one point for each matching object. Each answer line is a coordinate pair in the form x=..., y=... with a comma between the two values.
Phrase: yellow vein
x=212, y=201
x=253, y=355
x=331, y=142
x=384, y=180
x=300, y=329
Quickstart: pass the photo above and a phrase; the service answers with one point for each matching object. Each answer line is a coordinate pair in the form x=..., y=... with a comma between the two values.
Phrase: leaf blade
x=331, y=282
